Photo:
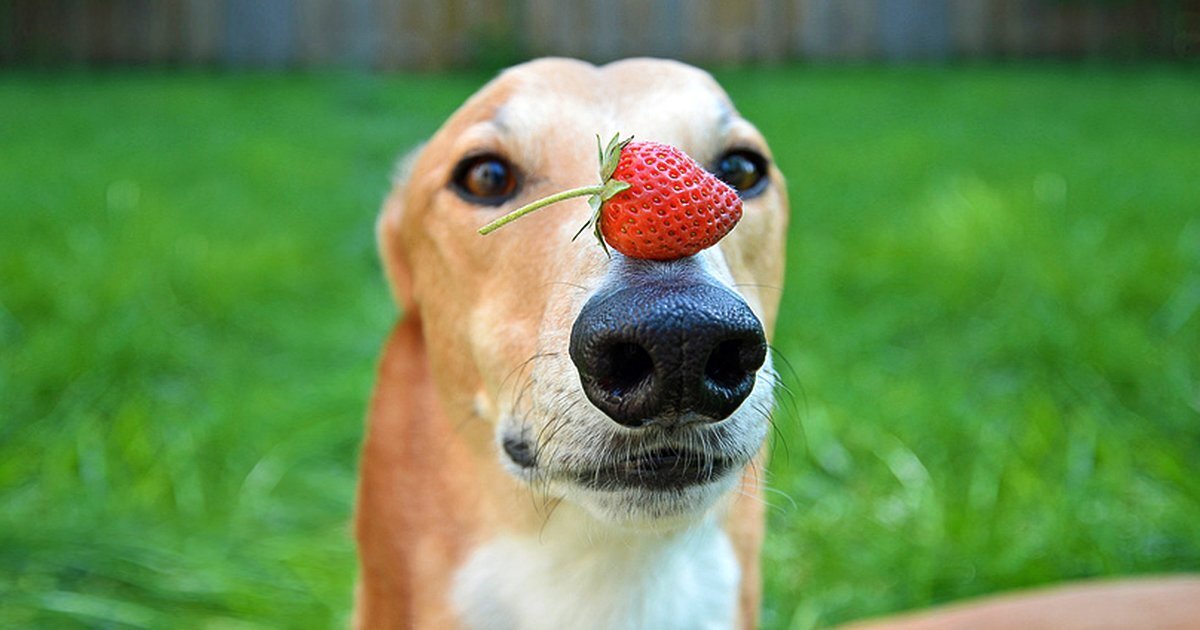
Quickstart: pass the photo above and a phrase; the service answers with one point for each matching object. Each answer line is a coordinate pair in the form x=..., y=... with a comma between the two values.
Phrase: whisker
x=779, y=436
x=547, y=438
x=525, y=389
x=792, y=504
x=554, y=503
x=569, y=284
x=791, y=371
x=558, y=422
x=738, y=285
x=524, y=364
x=758, y=483
x=782, y=390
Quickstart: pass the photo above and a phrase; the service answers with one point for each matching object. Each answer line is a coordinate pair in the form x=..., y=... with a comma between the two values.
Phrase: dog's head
x=638, y=390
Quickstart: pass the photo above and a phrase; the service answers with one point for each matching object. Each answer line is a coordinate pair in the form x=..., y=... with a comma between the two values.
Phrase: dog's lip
x=664, y=468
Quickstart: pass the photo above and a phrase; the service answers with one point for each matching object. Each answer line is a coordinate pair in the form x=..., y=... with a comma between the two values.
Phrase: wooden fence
x=431, y=34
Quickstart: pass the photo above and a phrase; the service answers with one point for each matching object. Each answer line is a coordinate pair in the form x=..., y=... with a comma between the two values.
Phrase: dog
x=560, y=437
x=494, y=492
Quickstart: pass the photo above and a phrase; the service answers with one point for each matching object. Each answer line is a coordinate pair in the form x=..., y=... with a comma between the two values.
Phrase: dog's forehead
x=650, y=99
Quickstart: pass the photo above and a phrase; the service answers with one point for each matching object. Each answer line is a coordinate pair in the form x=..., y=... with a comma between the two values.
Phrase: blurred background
x=427, y=35
x=989, y=331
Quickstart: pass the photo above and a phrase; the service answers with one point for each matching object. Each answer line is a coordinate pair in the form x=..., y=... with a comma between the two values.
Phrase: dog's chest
x=684, y=581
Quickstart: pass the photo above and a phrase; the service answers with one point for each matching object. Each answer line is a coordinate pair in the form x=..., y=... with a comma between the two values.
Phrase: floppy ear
x=387, y=482
x=419, y=504
x=387, y=233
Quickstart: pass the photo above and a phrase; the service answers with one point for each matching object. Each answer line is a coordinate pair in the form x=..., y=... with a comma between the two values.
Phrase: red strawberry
x=654, y=202
x=673, y=208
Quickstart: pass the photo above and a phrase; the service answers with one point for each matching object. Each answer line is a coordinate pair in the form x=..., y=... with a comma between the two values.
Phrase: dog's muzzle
x=667, y=347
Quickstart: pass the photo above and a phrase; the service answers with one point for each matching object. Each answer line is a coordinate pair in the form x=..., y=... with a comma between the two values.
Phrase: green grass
x=990, y=316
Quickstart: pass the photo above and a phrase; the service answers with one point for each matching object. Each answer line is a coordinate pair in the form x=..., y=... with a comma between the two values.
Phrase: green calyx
x=611, y=155
x=597, y=195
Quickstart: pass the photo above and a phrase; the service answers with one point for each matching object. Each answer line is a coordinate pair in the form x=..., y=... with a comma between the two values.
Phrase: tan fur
x=475, y=309
x=432, y=487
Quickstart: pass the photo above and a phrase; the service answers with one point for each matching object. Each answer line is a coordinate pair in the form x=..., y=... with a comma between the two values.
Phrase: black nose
x=664, y=353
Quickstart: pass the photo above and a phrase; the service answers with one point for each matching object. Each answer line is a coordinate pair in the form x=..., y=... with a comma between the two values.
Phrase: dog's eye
x=485, y=179
x=744, y=170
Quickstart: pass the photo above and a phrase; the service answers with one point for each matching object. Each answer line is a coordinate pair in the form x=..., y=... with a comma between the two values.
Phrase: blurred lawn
x=991, y=319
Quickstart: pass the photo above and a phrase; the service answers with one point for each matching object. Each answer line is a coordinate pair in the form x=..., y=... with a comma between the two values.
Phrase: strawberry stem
x=538, y=205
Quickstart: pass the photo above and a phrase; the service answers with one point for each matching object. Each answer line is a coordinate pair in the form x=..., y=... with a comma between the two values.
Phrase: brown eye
x=487, y=180
x=744, y=170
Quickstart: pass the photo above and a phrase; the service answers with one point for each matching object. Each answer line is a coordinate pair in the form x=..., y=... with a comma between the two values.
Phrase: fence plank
x=408, y=40
x=840, y=29
x=1016, y=29
x=1188, y=41
x=666, y=18
x=128, y=31
x=490, y=35
x=161, y=26
x=637, y=30
x=691, y=41
x=258, y=32
x=39, y=30
x=968, y=26
x=603, y=29
x=914, y=29
x=436, y=33
x=767, y=33
x=201, y=31
x=8, y=52
x=75, y=31
x=815, y=36
x=318, y=32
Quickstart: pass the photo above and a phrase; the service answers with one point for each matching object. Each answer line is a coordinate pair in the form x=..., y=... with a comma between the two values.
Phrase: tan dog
x=495, y=492
x=559, y=439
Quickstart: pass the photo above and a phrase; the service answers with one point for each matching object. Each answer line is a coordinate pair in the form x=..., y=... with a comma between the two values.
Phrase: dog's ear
x=387, y=232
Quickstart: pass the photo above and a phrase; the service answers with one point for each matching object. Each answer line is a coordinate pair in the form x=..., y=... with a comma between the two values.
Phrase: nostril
x=626, y=366
x=727, y=366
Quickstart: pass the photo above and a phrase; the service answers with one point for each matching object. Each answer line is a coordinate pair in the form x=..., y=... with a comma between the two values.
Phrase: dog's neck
x=579, y=573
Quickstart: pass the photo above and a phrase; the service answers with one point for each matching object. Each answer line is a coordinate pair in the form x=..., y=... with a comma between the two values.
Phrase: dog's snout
x=660, y=353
